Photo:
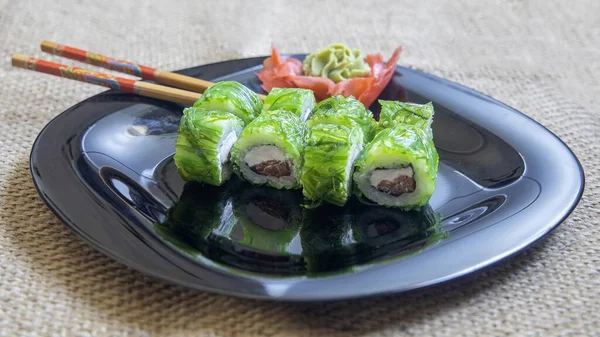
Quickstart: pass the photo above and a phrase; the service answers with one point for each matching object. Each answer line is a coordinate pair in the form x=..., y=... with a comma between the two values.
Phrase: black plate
x=105, y=168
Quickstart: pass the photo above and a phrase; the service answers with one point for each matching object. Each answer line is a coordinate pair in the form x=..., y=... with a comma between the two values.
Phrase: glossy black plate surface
x=105, y=168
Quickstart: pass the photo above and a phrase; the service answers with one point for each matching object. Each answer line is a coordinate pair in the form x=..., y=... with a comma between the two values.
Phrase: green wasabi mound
x=336, y=62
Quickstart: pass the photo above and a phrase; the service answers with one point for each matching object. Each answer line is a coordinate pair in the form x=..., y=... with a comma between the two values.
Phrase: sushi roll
x=396, y=112
x=198, y=212
x=349, y=112
x=398, y=168
x=203, y=145
x=299, y=101
x=233, y=97
x=270, y=218
x=339, y=128
x=270, y=150
x=328, y=161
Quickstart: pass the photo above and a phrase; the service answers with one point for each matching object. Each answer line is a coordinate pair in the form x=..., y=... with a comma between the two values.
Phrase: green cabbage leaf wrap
x=348, y=112
x=299, y=101
x=328, y=159
x=396, y=112
x=233, y=97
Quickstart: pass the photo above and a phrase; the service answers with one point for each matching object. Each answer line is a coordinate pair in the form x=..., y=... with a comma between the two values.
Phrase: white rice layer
x=262, y=153
x=354, y=152
x=225, y=144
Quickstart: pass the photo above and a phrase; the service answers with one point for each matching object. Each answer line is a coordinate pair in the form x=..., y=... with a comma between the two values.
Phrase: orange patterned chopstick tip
x=74, y=73
x=127, y=67
x=99, y=60
x=106, y=80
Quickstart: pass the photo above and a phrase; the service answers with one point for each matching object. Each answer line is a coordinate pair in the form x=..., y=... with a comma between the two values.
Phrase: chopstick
x=113, y=82
x=131, y=68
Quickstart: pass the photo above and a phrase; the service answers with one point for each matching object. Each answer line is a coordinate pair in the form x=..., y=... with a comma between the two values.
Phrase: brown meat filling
x=274, y=168
x=400, y=185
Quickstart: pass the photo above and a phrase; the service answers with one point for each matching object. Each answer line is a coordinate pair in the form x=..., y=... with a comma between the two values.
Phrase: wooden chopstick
x=131, y=68
x=113, y=82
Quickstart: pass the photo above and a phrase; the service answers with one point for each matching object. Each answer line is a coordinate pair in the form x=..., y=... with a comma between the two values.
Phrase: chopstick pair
x=177, y=88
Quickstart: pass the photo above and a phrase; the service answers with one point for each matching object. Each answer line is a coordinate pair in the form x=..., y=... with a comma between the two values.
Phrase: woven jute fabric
x=539, y=56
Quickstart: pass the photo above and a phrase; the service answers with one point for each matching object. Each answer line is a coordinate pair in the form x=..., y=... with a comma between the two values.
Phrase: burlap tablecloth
x=542, y=57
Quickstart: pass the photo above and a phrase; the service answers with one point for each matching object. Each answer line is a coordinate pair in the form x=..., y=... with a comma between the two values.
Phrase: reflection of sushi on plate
x=247, y=227
x=399, y=166
x=328, y=248
x=270, y=150
x=384, y=232
x=336, y=239
x=200, y=210
x=270, y=218
x=263, y=223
